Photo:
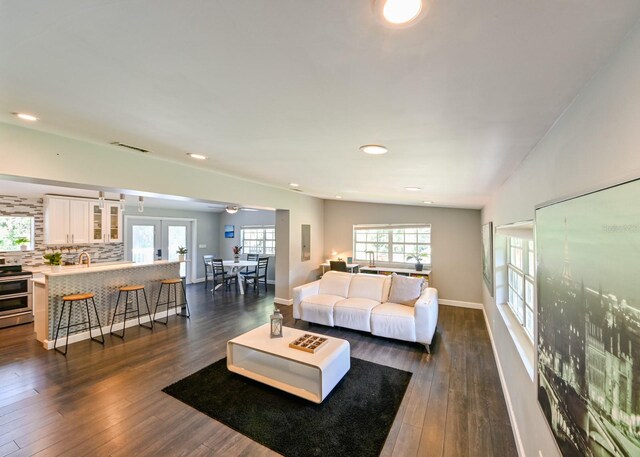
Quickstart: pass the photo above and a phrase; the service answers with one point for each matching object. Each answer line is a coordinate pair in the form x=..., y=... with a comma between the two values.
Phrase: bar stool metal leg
x=55, y=341
x=97, y=320
x=150, y=326
x=115, y=313
x=166, y=320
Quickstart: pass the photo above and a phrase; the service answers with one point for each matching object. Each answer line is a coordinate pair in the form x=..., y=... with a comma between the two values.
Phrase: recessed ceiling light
x=26, y=117
x=401, y=11
x=412, y=189
x=294, y=184
x=338, y=197
x=196, y=156
x=427, y=202
x=374, y=149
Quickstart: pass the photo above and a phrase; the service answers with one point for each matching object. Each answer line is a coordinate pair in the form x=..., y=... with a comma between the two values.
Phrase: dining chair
x=250, y=270
x=338, y=265
x=208, y=269
x=220, y=275
x=260, y=274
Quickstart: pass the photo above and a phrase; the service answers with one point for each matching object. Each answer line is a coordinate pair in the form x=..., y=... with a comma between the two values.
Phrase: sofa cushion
x=405, y=290
x=373, y=287
x=393, y=320
x=354, y=313
x=319, y=308
x=335, y=283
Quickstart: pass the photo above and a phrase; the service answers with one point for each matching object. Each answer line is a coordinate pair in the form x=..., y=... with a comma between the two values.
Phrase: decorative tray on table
x=308, y=343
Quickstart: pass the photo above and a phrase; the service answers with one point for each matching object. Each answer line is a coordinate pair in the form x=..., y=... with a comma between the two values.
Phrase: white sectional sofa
x=360, y=302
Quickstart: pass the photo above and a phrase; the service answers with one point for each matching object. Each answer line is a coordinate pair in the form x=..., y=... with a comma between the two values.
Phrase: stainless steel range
x=15, y=296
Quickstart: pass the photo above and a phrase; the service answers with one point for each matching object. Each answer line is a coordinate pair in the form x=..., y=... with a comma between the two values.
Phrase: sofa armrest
x=426, y=309
x=302, y=292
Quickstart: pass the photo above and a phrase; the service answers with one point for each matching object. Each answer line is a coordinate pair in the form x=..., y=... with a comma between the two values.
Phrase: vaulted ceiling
x=286, y=91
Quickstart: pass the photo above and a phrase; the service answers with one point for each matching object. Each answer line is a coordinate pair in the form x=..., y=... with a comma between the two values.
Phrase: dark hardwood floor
x=108, y=400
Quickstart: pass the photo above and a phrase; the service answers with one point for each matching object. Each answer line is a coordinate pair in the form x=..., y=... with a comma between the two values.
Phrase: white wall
x=596, y=142
x=455, y=241
x=32, y=155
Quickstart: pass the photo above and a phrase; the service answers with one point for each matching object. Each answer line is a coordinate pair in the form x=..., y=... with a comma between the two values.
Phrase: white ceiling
x=287, y=91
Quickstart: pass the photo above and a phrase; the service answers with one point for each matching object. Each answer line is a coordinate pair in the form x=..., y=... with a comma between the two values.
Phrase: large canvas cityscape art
x=588, y=253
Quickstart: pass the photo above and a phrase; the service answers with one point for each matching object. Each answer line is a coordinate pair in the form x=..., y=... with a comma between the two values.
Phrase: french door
x=149, y=239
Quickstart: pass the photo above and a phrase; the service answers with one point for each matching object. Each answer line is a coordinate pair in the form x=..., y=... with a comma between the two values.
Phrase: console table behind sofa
x=426, y=274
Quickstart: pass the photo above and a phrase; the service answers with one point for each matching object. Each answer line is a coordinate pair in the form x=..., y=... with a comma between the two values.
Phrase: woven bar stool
x=171, y=284
x=70, y=300
x=126, y=289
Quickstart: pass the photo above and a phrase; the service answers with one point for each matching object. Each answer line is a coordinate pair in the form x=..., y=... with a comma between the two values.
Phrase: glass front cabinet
x=105, y=223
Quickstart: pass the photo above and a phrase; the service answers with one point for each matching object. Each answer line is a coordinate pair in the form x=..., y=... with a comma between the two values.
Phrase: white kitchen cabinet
x=105, y=223
x=66, y=221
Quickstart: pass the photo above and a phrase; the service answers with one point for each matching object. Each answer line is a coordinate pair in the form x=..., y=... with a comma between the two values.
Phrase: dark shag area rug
x=353, y=420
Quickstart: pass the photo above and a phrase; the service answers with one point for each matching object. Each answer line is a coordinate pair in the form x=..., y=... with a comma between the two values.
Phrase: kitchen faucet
x=82, y=254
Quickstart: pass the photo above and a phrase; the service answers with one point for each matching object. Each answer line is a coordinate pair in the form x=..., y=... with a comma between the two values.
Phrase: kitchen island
x=103, y=280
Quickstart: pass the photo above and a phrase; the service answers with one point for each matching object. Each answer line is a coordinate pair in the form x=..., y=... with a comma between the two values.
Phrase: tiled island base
x=104, y=282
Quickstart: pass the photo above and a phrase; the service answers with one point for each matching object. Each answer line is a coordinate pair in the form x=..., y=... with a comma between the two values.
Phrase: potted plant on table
x=236, y=253
x=55, y=260
x=182, y=253
x=22, y=242
x=418, y=258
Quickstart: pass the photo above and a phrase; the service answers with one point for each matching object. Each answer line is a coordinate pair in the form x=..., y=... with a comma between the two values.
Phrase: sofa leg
x=428, y=348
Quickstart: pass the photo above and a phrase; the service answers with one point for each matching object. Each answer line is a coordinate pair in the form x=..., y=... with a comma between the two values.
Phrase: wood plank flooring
x=103, y=401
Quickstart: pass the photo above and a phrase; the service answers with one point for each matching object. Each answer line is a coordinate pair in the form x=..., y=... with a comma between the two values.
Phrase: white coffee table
x=271, y=361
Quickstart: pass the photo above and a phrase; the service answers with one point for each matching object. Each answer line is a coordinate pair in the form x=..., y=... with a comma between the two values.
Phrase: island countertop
x=96, y=267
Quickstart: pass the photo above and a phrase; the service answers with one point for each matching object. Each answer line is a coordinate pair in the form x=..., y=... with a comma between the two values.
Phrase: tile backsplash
x=20, y=206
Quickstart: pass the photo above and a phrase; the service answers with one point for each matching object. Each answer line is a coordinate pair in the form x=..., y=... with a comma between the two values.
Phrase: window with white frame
x=258, y=239
x=392, y=243
x=521, y=280
x=16, y=231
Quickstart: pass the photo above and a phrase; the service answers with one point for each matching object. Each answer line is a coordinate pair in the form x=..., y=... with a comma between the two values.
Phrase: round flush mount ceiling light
x=196, y=156
x=374, y=149
x=398, y=14
x=412, y=189
x=231, y=209
x=294, y=184
x=26, y=117
x=401, y=11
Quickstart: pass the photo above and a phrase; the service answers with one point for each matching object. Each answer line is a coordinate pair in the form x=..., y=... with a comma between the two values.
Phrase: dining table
x=235, y=267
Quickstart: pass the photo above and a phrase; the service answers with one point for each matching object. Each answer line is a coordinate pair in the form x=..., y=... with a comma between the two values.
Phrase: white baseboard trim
x=75, y=337
x=283, y=301
x=461, y=304
x=505, y=392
